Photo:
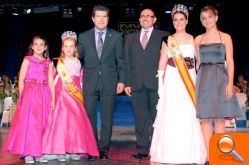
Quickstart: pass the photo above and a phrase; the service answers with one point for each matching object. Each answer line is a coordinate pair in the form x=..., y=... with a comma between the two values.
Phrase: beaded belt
x=209, y=63
x=188, y=60
x=36, y=81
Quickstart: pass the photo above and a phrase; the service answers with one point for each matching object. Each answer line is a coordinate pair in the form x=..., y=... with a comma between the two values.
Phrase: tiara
x=179, y=8
x=69, y=34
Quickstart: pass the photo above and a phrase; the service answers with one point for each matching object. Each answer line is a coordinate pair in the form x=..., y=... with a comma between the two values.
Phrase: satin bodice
x=212, y=53
x=73, y=67
x=37, y=69
x=187, y=50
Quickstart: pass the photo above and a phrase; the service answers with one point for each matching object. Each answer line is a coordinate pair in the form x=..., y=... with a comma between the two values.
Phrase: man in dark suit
x=142, y=51
x=101, y=52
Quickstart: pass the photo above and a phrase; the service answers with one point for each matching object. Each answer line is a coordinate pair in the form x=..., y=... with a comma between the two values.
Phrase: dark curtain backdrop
x=16, y=31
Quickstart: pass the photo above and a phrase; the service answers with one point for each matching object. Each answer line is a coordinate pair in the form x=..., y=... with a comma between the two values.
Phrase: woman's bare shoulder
x=198, y=39
x=225, y=37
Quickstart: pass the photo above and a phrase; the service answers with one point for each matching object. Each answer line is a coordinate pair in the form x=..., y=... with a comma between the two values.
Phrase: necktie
x=144, y=40
x=100, y=44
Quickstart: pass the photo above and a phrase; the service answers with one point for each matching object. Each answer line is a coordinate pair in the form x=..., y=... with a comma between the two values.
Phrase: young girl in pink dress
x=68, y=129
x=36, y=99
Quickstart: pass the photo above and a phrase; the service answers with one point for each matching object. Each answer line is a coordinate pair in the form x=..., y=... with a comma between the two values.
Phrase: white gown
x=177, y=136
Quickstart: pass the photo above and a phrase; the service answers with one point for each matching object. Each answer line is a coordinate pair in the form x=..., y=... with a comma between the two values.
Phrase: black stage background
x=53, y=17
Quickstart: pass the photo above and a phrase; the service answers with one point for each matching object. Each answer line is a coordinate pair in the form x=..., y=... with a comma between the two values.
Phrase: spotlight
x=67, y=13
x=27, y=11
x=79, y=8
x=15, y=11
x=64, y=11
x=130, y=12
x=167, y=12
x=70, y=11
x=168, y=8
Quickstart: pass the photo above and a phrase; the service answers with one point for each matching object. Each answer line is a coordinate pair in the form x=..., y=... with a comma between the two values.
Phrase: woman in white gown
x=177, y=136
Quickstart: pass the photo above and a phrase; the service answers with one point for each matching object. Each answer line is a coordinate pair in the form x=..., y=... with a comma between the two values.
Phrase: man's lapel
x=137, y=39
x=108, y=38
x=92, y=41
x=151, y=39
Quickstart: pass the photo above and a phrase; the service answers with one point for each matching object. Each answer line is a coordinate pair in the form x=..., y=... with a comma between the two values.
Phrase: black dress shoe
x=92, y=158
x=103, y=155
x=139, y=156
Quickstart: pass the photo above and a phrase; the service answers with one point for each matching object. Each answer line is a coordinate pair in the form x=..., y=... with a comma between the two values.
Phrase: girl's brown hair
x=31, y=51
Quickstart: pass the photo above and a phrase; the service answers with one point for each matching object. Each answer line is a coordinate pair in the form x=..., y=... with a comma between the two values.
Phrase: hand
x=128, y=91
x=229, y=91
x=52, y=105
x=120, y=88
x=19, y=92
x=160, y=82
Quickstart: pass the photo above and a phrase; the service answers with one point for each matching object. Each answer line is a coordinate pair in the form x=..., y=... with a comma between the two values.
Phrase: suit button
x=99, y=73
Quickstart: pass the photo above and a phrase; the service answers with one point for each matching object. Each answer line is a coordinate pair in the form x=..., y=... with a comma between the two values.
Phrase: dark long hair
x=31, y=51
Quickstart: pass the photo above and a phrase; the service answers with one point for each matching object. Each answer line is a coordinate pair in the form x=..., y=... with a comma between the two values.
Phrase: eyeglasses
x=147, y=16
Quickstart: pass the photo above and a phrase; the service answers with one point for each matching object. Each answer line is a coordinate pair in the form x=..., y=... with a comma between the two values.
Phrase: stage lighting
x=15, y=11
x=70, y=11
x=79, y=8
x=27, y=11
x=67, y=13
x=47, y=9
x=130, y=12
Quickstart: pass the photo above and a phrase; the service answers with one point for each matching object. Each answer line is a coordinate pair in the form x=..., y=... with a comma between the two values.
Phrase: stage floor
x=123, y=146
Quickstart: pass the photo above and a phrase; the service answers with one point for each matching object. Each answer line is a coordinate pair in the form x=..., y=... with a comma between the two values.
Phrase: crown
x=179, y=8
x=69, y=34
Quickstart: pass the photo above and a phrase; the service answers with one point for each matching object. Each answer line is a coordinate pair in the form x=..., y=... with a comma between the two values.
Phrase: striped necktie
x=145, y=39
x=100, y=44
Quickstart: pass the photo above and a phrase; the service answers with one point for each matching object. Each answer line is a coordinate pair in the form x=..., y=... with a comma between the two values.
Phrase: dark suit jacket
x=142, y=65
x=110, y=68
